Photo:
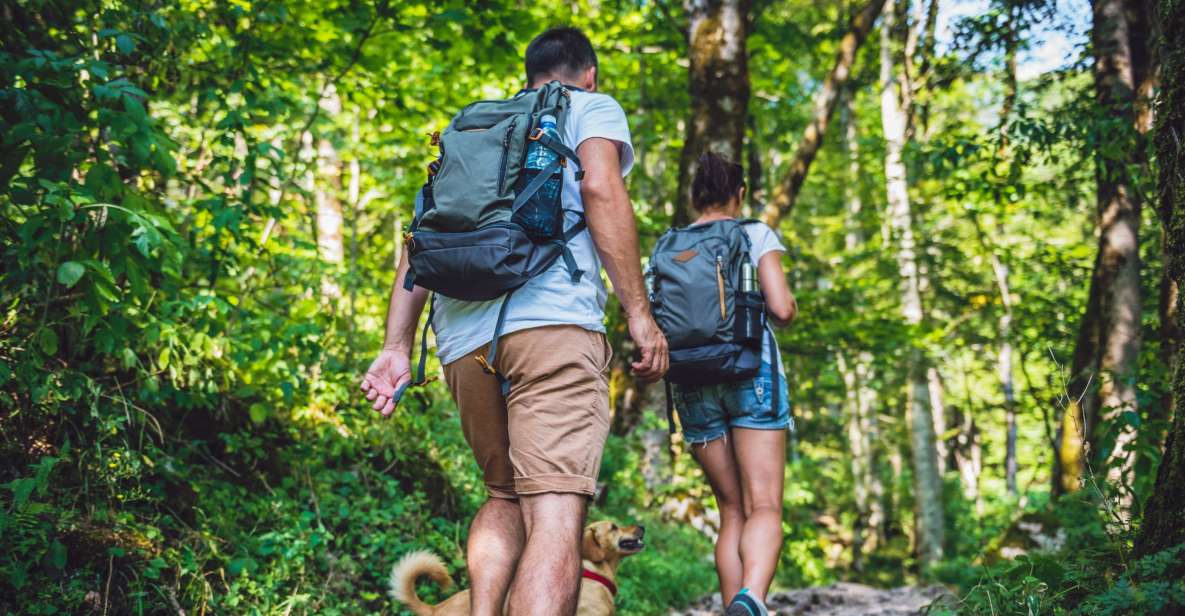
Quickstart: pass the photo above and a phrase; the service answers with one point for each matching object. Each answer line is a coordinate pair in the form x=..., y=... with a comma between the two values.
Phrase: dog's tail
x=405, y=573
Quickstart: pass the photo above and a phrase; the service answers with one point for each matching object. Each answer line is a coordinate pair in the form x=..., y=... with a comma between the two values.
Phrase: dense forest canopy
x=204, y=201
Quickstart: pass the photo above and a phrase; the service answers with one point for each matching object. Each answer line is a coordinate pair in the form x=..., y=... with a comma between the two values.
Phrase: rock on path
x=841, y=599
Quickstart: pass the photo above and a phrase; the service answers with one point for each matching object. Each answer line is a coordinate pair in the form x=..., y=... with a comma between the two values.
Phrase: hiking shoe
x=745, y=604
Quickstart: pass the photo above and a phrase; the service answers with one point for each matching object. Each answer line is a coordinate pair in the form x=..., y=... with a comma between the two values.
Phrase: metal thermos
x=750, y=314
x=748, y=278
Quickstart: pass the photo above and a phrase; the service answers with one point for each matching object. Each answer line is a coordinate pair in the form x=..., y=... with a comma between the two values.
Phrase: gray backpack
x=469, y=239
x=713, y=320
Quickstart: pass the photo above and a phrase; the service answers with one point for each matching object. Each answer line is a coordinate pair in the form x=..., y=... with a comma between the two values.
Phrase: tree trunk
x=999, y=268
x=1111, y=328
x=938, y=412
x=868, y=528
x=1119, y=257
x=1164, y=517
x=927, y=475
x=718, y=77
x=785, y=194
x=859, y=457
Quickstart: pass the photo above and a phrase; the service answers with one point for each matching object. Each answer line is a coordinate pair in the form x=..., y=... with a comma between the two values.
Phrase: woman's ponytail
x=717, y=180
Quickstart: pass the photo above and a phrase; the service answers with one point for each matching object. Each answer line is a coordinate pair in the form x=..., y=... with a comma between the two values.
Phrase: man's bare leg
x=547, y=582
x=495, y=544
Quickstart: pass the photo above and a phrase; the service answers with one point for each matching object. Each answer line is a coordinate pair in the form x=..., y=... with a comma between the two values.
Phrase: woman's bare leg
x=716, y=458
x=761, y=460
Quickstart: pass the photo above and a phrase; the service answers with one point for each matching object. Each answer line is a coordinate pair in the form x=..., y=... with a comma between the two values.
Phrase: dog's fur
x=602, y=547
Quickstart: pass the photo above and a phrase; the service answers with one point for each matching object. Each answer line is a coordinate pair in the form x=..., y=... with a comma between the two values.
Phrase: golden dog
x=602, y=547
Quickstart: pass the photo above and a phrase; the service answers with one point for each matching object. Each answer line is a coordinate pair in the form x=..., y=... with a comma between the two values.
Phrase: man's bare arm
x=615, y=234
x=403, y=311
x=392, y=368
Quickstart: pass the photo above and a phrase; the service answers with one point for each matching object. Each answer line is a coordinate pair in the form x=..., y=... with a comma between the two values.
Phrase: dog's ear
x=590, y=546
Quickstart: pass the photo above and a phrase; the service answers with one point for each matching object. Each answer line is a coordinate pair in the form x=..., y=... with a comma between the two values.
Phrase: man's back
x=550, y=298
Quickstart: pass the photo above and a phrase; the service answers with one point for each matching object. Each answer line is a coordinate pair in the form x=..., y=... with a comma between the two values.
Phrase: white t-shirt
x=549, y=298
x=763, y=240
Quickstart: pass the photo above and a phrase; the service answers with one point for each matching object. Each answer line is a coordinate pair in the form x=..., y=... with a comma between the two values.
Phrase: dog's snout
x=641, y=531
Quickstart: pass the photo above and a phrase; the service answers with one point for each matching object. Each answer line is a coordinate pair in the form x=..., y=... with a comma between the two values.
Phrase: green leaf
x=21, y=489
x=239, y=565
x=70, y=272
x=125, y=44
x=57, y=555
x=258, y=412
x=163, y=358
x=47, y=341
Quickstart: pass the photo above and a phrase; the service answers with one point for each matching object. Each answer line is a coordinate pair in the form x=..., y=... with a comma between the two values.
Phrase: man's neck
x=542, y=81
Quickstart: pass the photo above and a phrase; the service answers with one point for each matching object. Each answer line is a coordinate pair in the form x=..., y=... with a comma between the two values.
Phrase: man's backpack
x=468, y=240
x=714, y=325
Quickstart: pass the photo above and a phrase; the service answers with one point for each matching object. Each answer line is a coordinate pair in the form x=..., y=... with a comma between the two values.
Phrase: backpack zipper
x=720, y=284
x=505, y=155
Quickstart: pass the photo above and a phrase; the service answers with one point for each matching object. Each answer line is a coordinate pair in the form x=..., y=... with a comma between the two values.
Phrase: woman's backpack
x=714, y=325
x=469, y=239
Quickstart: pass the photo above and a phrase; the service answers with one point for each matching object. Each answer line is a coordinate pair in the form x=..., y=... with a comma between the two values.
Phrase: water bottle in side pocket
x=542, y=215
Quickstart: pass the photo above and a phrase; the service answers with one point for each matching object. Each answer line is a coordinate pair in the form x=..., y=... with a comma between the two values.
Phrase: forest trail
x=839, y=599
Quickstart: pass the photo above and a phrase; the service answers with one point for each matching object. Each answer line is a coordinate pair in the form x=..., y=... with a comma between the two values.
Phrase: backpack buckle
x=435, y=135
x=537, y=135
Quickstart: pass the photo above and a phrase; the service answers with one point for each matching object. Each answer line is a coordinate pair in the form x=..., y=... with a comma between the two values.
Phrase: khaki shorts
x=549, y=433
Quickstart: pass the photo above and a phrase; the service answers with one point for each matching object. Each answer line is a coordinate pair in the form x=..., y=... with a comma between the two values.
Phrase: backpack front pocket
x=474, y=265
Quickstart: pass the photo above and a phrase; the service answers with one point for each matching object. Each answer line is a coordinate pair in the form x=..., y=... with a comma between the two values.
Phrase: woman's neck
x=715, y=214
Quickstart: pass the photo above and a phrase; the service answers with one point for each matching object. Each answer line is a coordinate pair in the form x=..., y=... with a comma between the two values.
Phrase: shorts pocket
x=756, y=396
x=695, y=409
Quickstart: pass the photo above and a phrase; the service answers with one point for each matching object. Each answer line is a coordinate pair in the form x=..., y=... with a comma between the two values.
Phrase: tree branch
x=786, y=193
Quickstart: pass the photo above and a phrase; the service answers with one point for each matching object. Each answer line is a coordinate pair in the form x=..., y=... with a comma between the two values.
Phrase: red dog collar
x=597, y=577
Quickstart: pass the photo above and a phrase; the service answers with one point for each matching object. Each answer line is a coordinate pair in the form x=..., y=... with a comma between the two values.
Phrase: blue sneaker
x=745, y=604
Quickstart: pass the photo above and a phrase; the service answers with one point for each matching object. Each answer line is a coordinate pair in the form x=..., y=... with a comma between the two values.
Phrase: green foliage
x=181, y=333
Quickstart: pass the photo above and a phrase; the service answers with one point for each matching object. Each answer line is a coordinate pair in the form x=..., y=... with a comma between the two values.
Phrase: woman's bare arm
x=779, y=300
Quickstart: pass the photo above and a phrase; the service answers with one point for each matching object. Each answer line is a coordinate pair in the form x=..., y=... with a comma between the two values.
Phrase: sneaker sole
x=738, y=609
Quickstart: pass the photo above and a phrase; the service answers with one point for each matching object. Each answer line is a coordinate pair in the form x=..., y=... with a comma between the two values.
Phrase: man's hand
x=390, y=371
x=653, y=347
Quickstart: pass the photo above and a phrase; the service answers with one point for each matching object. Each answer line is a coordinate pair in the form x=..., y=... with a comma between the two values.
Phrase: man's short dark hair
x=561, y=52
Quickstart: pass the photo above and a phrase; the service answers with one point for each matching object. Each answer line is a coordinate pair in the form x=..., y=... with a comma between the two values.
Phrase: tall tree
x=1164, y=518
x=1109, y=336
x=785, y=194
x=867, y=528
x=718, y=81
x=999, y=267
x=926, y=472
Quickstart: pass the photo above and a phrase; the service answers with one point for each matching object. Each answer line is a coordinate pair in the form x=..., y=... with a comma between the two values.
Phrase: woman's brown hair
x=716, y=181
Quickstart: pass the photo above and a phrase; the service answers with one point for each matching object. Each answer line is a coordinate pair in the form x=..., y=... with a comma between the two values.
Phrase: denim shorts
x=708, y=411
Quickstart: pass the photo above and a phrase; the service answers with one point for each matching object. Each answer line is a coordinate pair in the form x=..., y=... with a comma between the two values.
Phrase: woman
x=735, y=437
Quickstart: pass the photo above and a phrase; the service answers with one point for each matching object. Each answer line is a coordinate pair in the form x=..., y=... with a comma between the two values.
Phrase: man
x=540, y=447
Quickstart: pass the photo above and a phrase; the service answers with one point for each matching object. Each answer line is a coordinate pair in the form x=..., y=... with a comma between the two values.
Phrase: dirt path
x=841, y=599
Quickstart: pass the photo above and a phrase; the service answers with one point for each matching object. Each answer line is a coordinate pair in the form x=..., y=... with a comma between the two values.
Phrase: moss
x=1164, y=520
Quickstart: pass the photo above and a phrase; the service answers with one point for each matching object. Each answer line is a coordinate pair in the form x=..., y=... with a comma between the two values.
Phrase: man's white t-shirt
x=549, y=298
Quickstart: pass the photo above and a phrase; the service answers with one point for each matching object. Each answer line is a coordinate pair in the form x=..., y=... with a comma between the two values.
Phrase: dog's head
x=605, y=541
